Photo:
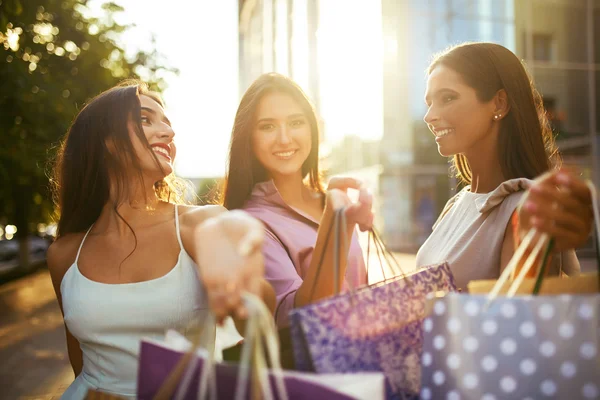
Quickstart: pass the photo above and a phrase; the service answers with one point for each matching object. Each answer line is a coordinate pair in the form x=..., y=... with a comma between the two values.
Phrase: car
x=9, y=255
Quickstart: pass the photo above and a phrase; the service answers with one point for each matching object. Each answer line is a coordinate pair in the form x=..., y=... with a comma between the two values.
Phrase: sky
x=200, y=38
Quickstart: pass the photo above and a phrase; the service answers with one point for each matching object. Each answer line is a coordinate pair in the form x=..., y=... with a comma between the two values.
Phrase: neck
x=485, y=166
x=132, y=208
x=292, y=189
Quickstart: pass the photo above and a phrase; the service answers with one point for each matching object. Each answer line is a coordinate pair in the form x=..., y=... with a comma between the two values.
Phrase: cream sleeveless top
x=109, y=321
x=470, y=231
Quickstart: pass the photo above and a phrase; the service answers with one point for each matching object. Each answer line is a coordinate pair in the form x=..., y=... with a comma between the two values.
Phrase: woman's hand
x=359, y=212
x=230, y=260
x=559, y=204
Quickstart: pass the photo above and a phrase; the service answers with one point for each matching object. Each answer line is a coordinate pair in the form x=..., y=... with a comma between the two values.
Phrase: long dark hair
x=526, y=145
x=85, y=169
x=243, y=168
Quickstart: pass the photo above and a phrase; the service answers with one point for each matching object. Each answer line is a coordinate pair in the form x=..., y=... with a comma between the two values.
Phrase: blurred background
x=362, y=62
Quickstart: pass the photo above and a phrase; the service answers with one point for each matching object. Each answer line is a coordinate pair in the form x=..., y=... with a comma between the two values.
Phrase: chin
x=445, y=152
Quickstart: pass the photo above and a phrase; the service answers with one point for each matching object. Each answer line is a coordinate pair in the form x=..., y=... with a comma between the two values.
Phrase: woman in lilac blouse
x=273, y=174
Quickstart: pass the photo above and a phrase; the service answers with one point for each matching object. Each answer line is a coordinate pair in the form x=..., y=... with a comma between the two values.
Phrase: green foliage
x=52, y=60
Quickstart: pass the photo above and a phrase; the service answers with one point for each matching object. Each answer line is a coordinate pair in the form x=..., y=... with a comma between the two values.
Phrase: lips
x=285, y=154
x=163, y=150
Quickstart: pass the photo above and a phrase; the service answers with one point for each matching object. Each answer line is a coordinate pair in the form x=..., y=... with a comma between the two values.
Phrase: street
x=33, y=354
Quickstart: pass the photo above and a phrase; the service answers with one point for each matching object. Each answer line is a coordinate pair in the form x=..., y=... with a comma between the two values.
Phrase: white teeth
x=444, y=132
x=161, y=150
x=285, y=154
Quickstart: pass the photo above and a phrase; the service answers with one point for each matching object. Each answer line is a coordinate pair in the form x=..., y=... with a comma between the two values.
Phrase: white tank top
x=109, y=320
x=470, y=232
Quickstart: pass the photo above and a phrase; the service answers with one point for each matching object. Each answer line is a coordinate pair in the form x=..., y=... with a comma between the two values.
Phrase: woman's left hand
x=361, y=211
x=230, y=260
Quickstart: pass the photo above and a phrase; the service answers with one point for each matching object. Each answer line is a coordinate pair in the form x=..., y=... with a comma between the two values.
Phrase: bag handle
x=596, y=222
x=261, y=325
x=338, y=213
x=516, y=259
x=382, y=250
x=596, y=213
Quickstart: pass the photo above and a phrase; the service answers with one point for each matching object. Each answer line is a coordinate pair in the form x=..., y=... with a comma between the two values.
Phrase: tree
x=52, y=60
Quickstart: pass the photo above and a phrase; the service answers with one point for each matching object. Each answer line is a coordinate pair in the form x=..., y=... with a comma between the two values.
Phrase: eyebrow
x=151, y=111
x=438, y=92
x=289, y=117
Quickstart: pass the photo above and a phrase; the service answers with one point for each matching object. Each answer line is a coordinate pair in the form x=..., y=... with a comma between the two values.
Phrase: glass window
x=566, y=94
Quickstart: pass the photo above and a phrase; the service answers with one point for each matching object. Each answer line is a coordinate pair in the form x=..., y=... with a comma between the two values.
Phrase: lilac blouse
x=289, y=245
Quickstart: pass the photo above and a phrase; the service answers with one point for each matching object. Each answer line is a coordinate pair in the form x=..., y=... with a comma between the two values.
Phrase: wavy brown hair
x=243, y=168
x=86, y=169
x=526, y=146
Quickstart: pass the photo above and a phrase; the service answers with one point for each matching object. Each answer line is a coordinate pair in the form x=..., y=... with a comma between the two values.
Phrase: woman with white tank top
x=128, y=262
x=486, y=114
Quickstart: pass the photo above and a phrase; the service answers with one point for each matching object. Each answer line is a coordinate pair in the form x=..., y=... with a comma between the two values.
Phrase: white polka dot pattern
x=508, y=310
x=548, y=349
x=490, y=327
x=528, y=366
x=568, y=369
x=546, y=311
x=454, y=325
x=527, y=329
x=489, y=364
x=589, y=391
x=453, y=361
x=588, y=350
x=439, y=308
x=425, y=393
x=585, y=311
x=566, y=330
x=548, y=388
x=470, y=344
x=532, y=347
x=470, y=381
x=508, y=346
x=508, y=384
x=439, y=378
x=439, y=342
x=453, y=395
x=428, y=325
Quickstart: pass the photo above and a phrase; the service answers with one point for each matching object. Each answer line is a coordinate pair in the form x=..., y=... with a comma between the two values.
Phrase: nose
x=283, y=136
x=430, y=116
x=166, y=132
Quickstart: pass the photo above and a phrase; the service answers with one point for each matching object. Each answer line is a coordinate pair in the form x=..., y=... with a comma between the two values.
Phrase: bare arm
x=59, y=261
x=227, y=247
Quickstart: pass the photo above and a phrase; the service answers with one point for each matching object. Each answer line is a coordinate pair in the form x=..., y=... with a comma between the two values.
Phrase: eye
x=448, y=98
x=145, y=119
x=297, y=122
x=266, y=127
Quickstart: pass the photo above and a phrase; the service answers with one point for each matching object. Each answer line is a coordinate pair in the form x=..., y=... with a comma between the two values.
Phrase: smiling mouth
x=443, y=132
x=285, y=154
x=162, y=151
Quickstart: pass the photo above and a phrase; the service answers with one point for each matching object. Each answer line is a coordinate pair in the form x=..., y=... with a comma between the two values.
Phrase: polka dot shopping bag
x=487, y=346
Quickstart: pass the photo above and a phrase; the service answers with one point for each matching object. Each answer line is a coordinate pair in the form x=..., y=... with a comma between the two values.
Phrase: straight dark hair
x=243, y=168
x=526, y=146
x=85, y=168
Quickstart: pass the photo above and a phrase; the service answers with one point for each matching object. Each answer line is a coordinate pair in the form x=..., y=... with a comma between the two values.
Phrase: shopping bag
x=374, y=328
x=492, y=346
x=513, y=348
x=199, y=377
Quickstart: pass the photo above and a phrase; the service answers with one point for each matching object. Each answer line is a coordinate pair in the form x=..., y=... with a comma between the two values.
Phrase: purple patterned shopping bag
x=157, y=361
x=375, y=328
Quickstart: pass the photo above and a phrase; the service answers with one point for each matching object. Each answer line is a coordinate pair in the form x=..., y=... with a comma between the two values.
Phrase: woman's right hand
x=230, y=260
x=559, y=204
